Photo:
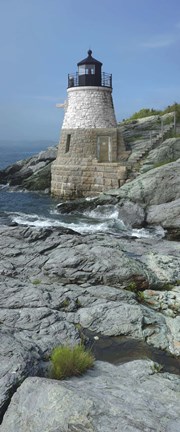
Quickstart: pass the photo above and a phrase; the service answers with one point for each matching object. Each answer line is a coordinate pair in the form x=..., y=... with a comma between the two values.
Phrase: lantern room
x=90, y=74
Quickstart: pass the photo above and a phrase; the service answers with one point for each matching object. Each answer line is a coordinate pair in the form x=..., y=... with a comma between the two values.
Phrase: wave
x=150, y=232
x=91, y=222
x=37, y=221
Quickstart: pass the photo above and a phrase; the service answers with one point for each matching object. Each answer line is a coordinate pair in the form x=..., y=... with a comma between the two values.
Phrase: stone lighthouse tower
x=90, y=148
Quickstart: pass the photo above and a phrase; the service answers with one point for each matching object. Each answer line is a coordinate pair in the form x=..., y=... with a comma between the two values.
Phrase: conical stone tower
x=90, y=148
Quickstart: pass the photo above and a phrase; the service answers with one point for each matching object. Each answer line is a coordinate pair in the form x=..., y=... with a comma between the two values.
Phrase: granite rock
x=131, y=397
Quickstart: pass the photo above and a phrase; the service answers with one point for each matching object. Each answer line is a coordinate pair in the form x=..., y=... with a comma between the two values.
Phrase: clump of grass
x=156, y=367
x=78, y=303
x=140, y=295
x=36, y=281
x=132, y=287
x=65, y=303
x=70, y=361
x=177, y=282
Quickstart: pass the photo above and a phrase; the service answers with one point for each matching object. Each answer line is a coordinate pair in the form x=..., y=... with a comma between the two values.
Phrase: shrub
x=68, y=361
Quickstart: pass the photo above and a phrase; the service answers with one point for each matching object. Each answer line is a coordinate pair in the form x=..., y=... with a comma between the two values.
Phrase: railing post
x=162, y=128
x=151, y=138
x=175, y=122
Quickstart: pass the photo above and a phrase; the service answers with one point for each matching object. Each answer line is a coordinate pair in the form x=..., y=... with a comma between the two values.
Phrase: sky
x=41, y=41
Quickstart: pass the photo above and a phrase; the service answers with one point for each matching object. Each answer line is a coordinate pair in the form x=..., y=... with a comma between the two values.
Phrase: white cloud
x=160, y=41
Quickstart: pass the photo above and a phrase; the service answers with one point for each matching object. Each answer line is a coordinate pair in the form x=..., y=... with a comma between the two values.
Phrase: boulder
x=157, y=186
x=166, y=214
x=167, y=152
x=130, y=397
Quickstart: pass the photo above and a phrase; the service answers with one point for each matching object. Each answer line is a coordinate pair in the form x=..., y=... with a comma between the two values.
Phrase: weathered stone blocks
x=89, y=107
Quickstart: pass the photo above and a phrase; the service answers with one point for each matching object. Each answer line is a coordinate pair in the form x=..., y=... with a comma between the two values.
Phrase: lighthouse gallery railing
x=106, y=80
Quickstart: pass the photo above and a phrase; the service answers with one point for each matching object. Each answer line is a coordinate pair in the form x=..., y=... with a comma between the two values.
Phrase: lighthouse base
x=89, y=161
x=85, y=178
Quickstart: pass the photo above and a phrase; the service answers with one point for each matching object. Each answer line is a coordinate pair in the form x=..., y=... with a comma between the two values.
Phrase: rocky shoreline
x=32, y=174
x=56, y=284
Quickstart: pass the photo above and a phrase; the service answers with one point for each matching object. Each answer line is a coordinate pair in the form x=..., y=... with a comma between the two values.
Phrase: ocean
x=40, y=210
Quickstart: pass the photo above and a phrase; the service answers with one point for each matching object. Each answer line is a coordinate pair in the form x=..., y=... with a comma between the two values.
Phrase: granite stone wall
x=83, y=143
x=89, y=107
x=77, y=170
x=72, y=178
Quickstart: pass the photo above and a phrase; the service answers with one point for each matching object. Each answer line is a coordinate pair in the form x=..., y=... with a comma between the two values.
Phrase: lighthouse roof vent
x=89, y=60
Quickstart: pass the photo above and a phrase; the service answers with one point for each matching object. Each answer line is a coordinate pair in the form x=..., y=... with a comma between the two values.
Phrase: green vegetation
x=177, y=282
x=157, y=367
x=78, y=303
x=70, y=361
x=166, y=287
x=132, y=287
x=36, y=281
x=159, y=164
x=140, y=296
x=65, y=303
x=147, y=112
x=144, y=112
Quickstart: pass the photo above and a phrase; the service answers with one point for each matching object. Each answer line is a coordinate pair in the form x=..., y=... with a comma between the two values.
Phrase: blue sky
x=41, y=41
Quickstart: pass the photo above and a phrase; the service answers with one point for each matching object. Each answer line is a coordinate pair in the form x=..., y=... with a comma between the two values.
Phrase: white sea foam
x=154, y=232
x=102, y=224
x=98, y=214
x=4, y=186
x=90, y=198
x=41, y=222
x=103, y=212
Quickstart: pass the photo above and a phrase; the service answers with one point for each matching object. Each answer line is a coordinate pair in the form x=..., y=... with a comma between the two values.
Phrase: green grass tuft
x=156, y=367
x=70, y=361
x=36, y=281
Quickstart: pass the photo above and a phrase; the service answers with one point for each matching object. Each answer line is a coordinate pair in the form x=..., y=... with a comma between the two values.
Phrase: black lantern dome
x=90, y=74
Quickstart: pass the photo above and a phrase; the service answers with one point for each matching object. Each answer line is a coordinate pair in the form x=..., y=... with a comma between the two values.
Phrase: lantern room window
x=87, y=69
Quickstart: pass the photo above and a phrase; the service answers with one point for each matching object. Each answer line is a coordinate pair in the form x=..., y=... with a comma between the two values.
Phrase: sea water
x=40, y=210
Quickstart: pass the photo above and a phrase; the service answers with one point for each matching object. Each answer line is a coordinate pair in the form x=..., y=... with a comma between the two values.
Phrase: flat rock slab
x=130, y=397
x=167, y=214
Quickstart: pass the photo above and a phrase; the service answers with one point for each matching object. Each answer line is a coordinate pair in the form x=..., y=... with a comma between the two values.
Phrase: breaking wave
x=41, y=211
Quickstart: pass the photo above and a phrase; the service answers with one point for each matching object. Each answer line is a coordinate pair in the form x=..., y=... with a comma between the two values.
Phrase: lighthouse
x=91, y=147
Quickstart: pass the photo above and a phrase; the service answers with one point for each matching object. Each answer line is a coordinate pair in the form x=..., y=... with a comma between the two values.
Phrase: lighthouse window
x=86, y=69
x=68, y=140
x=81, y=70
x=90, y=69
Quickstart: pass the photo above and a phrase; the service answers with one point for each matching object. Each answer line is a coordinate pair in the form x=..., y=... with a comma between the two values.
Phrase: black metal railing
x=73, y=80
x=106, y=80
